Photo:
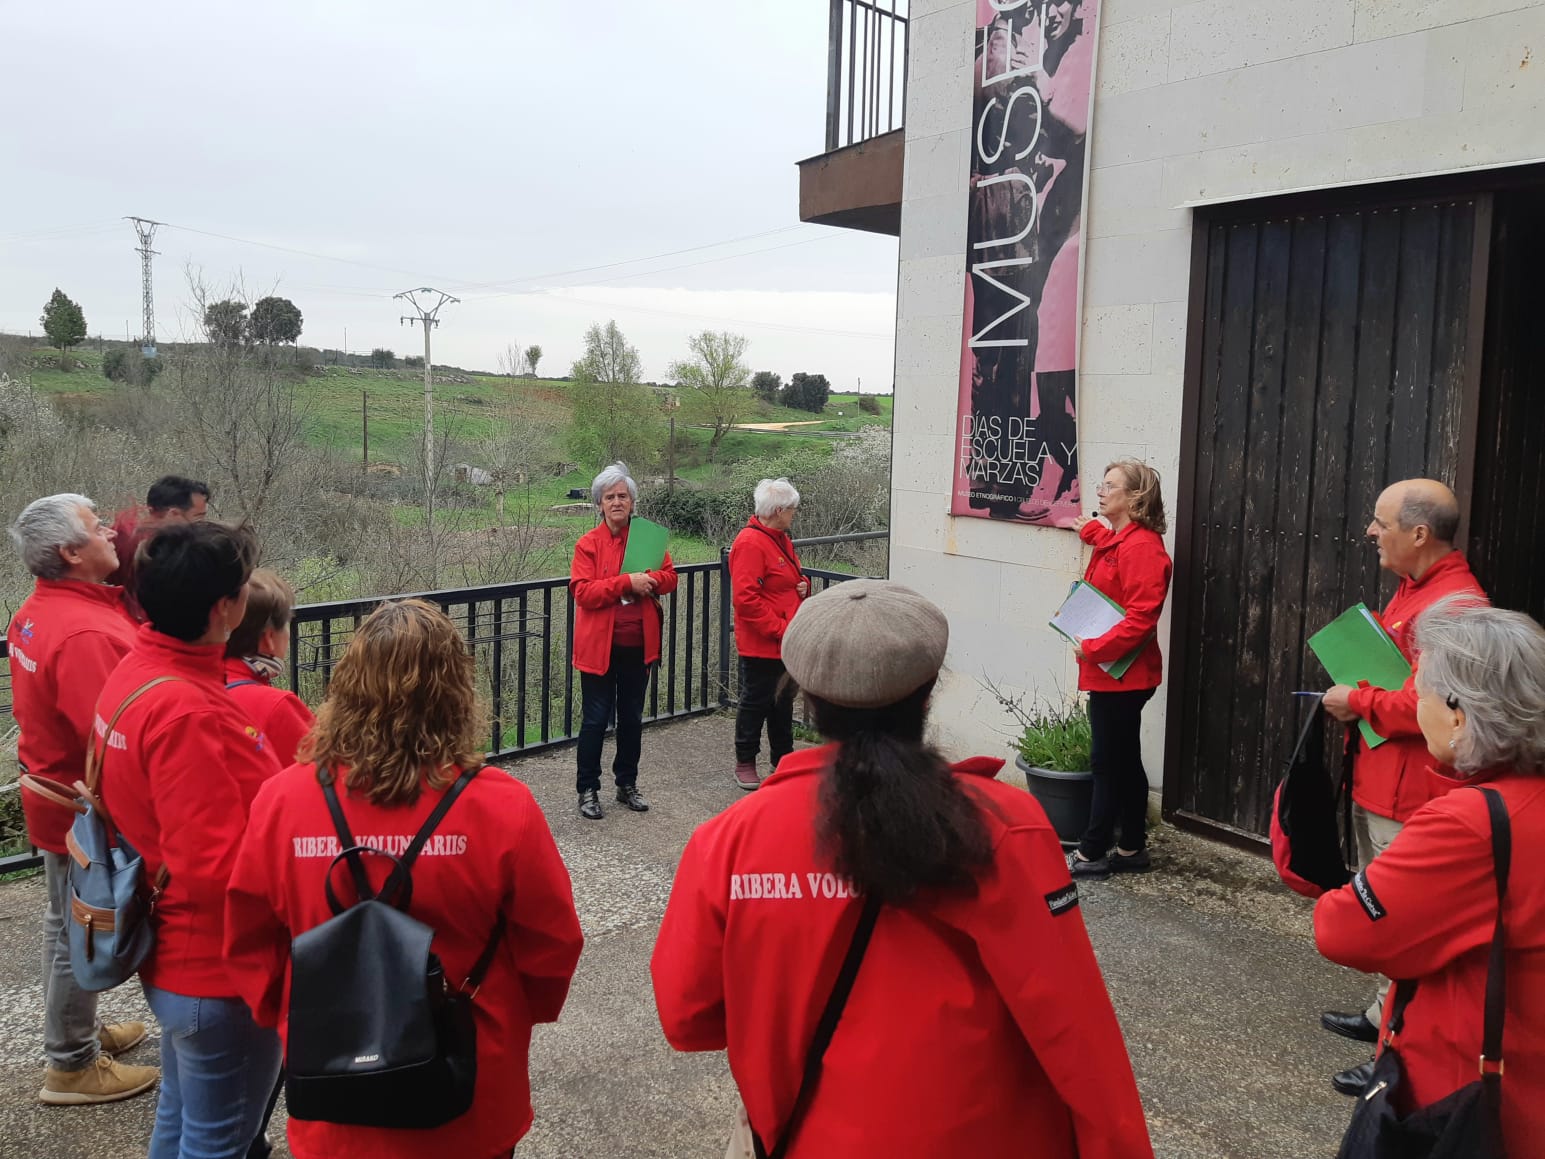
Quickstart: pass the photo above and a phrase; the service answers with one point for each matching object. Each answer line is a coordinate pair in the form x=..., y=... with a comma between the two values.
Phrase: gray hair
x=1491, y=663
x=1439, y=514
x=44, y=526
x=772, y=496
x=609, y=478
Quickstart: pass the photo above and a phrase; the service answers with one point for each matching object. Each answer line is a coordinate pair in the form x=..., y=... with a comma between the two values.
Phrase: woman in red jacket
x=1425, y=909
x=1130, y=566
x=180, y=769
x=254, y=656
x=977, y=1022
x=767, y=586
x=400, y=723
x=616, y=638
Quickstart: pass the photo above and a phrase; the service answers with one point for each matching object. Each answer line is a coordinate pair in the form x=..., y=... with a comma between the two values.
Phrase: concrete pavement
x=1208, y=960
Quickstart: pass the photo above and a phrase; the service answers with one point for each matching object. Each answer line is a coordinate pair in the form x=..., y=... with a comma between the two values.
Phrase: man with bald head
x=1414, y=525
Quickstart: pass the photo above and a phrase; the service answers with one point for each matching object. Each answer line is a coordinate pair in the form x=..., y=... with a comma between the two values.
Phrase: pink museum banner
x=1017, y=453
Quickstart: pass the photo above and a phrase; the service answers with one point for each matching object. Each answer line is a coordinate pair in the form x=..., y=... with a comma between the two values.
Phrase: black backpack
x=377, y=1035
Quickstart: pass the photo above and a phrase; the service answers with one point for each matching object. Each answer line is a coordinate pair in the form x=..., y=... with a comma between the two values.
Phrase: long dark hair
x=893, y=816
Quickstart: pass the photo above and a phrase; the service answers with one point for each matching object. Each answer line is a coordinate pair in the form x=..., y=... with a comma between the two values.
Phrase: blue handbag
x=110, y=901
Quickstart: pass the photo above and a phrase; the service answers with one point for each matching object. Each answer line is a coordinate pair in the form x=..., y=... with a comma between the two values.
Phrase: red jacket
x=492, y=851
x=764, y=572
x=1393, y=780
x=975, y=1022
x=1132, y=568
x=130, y=530
x=1431, y=899
x=278, y=714
x=598, y=587
x=64, y=641
x=179, y=775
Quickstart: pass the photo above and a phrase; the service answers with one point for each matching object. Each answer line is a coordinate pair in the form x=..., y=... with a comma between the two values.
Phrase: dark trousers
x=621, y=693
x=1120, y=799
x=759, y=702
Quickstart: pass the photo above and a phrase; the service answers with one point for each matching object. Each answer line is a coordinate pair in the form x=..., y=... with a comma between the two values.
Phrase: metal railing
x=866, y=70
x=521, y=638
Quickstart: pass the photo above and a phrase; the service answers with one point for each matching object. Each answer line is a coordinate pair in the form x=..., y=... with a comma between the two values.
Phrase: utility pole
x=426, y=314
x=670, y=461
x=364, y=426
x=145, y=230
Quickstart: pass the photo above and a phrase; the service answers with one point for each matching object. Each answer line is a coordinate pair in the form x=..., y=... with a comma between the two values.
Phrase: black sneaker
x=1097, y=868
x=628, y=795
x=1138, y=862
x=590, y=805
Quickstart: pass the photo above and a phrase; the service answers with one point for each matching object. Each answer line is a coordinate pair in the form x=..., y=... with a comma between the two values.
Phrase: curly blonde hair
x=1146, y=507
x=401, y=709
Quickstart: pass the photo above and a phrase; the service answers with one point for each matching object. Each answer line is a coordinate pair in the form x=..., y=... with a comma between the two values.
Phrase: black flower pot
x=1064, y=796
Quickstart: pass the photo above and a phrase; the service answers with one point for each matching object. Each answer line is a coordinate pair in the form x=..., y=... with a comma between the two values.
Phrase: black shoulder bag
x=377, y=1035
x=824, y=1030
x=1468, y=1123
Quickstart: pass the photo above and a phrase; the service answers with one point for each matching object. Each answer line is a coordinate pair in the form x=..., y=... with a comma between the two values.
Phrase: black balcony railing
x=866, y=70
x=521, y=638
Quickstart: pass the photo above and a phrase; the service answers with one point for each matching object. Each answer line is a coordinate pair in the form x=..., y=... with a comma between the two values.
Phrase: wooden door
x=1329, y=354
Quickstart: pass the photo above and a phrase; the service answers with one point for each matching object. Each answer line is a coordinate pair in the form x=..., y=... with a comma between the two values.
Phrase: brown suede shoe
x=117, y=1037
x=105, y=1081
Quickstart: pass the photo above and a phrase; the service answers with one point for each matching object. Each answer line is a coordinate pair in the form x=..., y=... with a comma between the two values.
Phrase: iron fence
x=866, y=70
x=521, y=639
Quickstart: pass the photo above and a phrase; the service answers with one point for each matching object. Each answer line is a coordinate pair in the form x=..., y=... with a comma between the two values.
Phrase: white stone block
x=1411, y=148
x=922, y=463
x=1503, y=62
x=1018, y=545
x=939, y=103
x=1113, y=12
x=1264, y=167
x=921, y=8
x=1214, y=36
x=1127, y=199
x=932, y=227
x=1380, y=18
x=1134, y=408
x=919, y=520
x=1169, y=333
x=931, y=287
x=1136, y=268
x=925, y=404
x=937, y=166
x=930, y=346
x=1134, y=54
x=940, y=42
x=1117, y=340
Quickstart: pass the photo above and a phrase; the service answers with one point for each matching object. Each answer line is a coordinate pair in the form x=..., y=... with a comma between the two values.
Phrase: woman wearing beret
x=977, y=1014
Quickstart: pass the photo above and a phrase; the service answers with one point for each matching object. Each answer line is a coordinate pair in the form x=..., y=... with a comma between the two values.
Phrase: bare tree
x=714, y=382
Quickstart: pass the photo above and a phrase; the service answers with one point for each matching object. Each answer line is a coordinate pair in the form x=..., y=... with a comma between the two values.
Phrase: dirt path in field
x=776, y=426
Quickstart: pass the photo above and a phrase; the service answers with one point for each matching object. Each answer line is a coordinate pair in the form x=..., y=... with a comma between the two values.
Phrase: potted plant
x=1053, y=753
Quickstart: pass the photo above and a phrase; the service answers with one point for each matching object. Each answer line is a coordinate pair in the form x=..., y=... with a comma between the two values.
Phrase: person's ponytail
x=893, y=816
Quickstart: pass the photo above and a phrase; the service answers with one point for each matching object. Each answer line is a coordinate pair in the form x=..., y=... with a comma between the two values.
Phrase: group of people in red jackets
x=889, y=946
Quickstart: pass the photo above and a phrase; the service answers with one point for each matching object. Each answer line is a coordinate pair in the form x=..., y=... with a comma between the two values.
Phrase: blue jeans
x=217, y=1069
x=69, y=1013
x=621, y=691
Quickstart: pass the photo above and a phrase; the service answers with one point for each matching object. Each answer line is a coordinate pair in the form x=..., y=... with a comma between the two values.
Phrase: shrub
x=115, y=366
x=869, y=404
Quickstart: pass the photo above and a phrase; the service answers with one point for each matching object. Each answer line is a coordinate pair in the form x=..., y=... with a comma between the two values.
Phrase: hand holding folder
x=1088, y=613
x=1356, y=650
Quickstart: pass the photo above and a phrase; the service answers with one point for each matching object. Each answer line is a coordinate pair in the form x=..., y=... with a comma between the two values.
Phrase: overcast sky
x=508, y=151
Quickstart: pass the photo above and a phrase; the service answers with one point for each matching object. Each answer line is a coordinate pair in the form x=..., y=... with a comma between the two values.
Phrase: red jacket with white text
x=598, y=588
x=493, y=851
x=277, y=713
x=764, y=574
x=1394, y=779
x=64, y=641
x=178, y=776
x=1424, y=910
x=974, y=1024
x=1132, y=568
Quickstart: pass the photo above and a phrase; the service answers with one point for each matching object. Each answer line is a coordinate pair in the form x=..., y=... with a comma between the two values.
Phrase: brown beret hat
x=865, y=643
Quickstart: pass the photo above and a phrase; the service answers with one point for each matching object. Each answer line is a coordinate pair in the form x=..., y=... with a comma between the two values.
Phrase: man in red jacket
x=64, y=641
x=1414, y=525
x=171, y=499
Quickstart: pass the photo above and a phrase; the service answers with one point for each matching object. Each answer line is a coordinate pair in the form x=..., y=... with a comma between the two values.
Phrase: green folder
x=1354, y=647
x=646, y=546
x=1093, y=613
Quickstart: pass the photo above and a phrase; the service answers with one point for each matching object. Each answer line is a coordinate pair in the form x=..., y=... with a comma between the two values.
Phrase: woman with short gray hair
x=1426, y=908
x=767, y=585
x=617, y=619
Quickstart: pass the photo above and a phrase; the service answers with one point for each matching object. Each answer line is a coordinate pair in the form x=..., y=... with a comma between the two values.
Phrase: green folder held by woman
x=646, y=546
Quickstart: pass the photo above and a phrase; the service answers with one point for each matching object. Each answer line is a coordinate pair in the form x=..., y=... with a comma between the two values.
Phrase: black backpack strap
x=238, y=684
x=485, y=959
x=826, y=1028
x=350, y=852
x=1496, y=969
x=397, y=881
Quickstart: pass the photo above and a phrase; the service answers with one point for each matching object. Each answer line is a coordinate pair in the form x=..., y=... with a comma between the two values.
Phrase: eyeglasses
x=1108, y=488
